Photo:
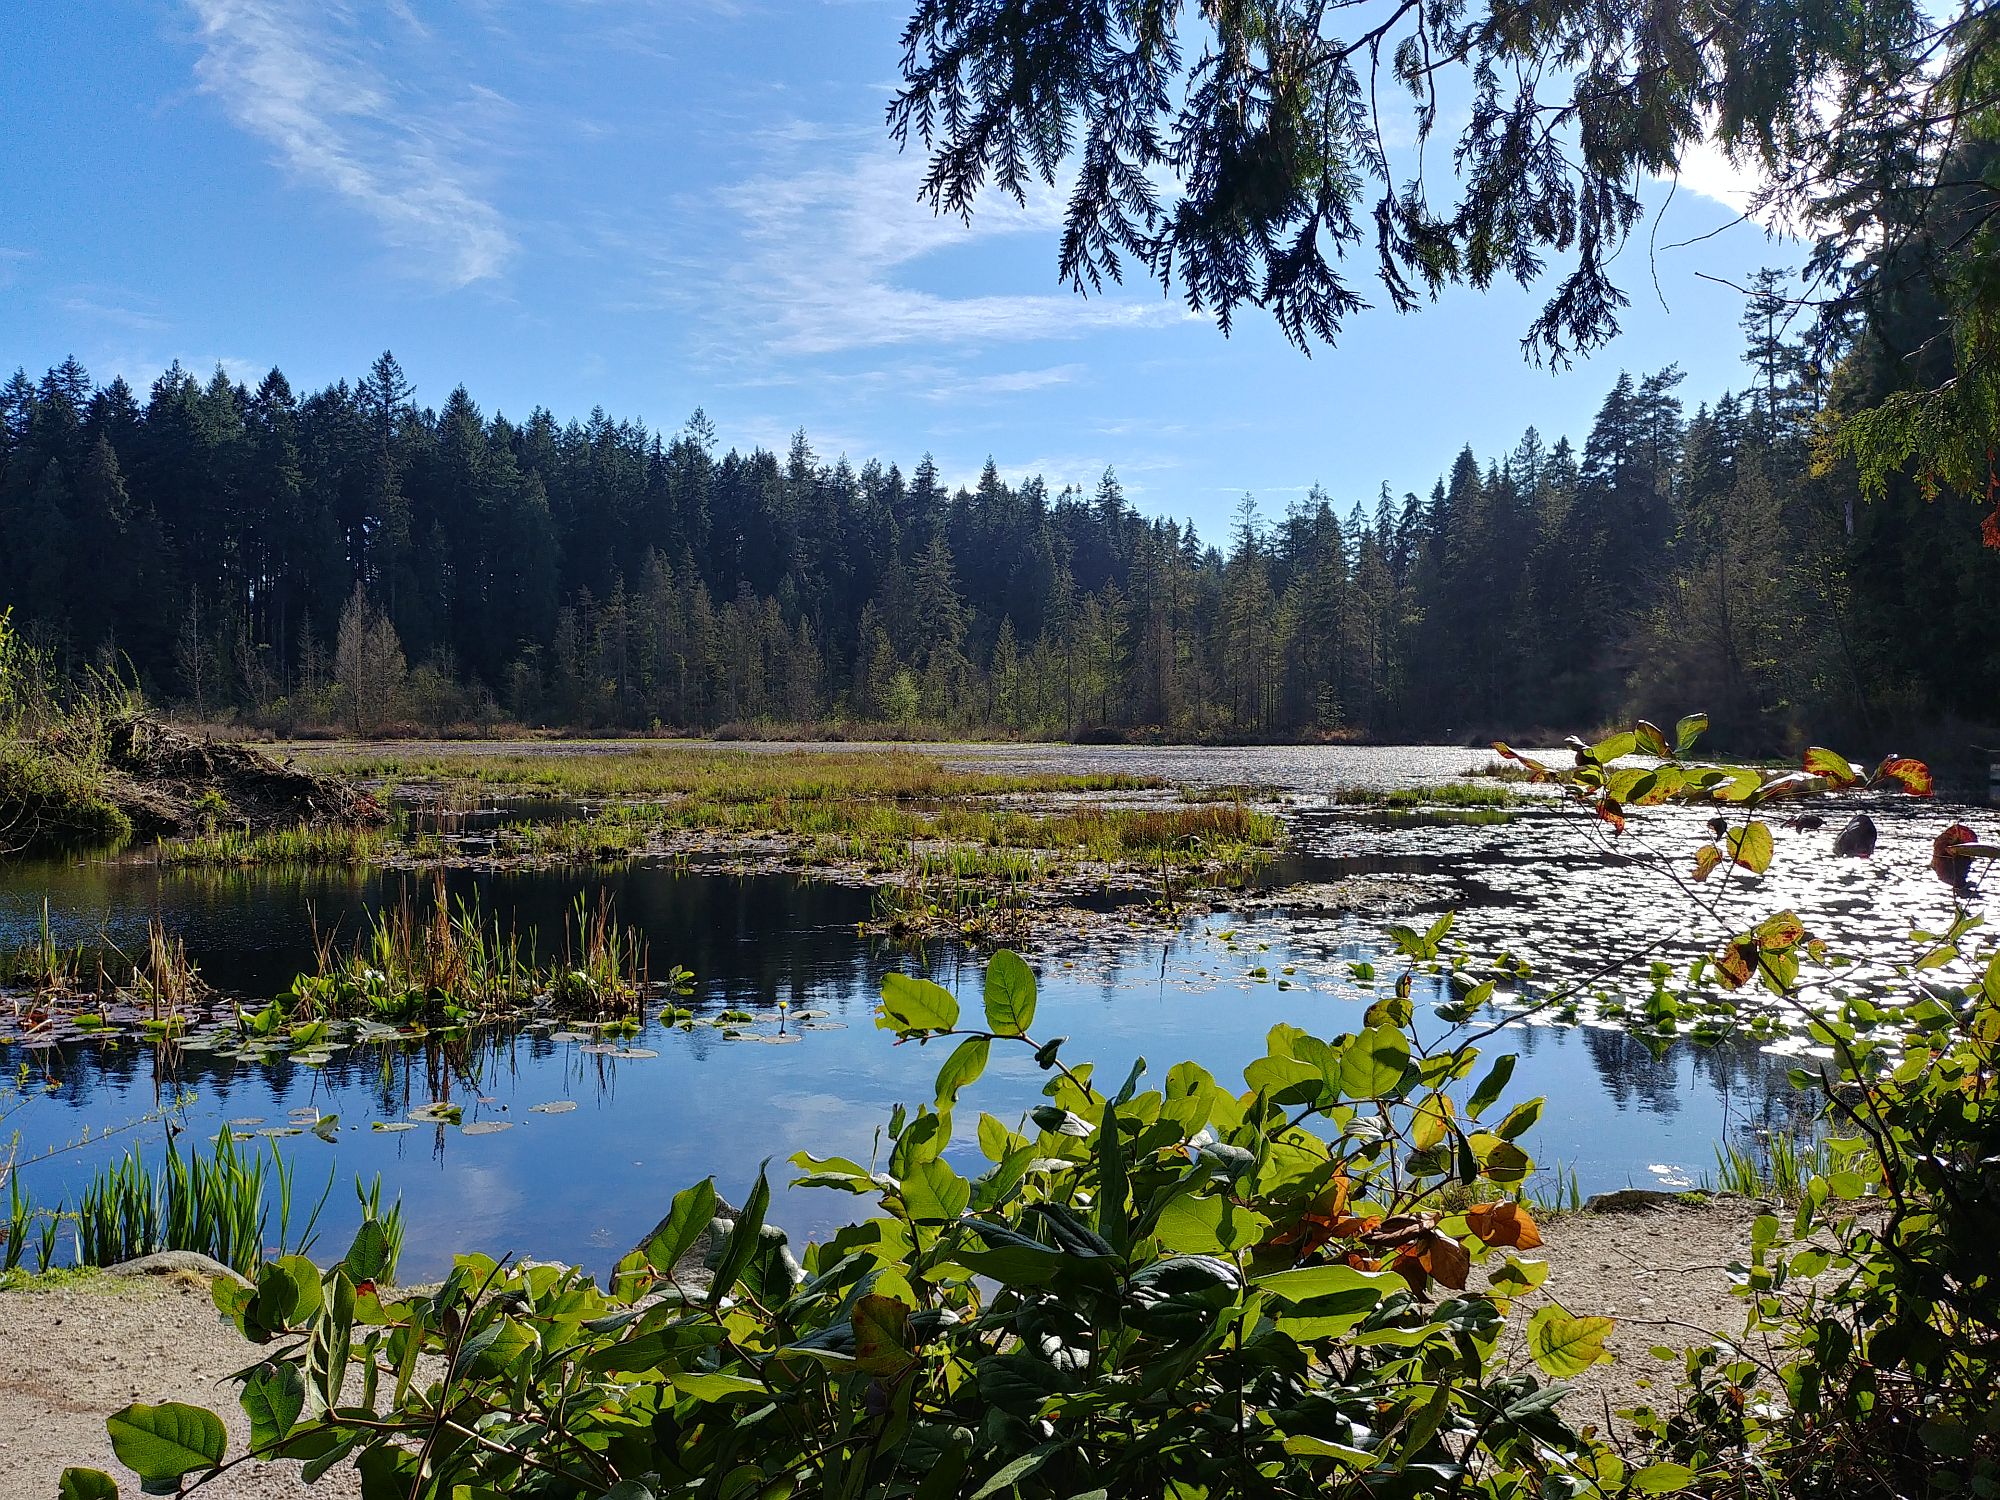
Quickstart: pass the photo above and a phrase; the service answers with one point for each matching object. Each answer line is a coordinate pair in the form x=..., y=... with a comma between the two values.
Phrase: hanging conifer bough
x=1253, y=154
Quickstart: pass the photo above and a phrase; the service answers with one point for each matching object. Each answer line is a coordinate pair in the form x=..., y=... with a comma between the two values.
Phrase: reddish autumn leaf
x=1651, y=739
x=1947, y=864
x=1610, y=812
x=1541, y=772
x=1446, y=1259
x=1507, y=1224
x=1735, y=964
x=1705, y=861
x=1778, y=932
x=1913, y=776
x=1408, y=1263
x=1831, y=765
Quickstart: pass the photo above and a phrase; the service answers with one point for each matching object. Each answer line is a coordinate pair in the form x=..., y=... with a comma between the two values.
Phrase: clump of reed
x=1778, y=1164
x=1443, y=794
x=603, y=968
x=220, y=1205
x=46, y=966
x=309, y=845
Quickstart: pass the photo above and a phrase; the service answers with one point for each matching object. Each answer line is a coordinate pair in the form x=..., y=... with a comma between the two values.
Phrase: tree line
x=353, y=558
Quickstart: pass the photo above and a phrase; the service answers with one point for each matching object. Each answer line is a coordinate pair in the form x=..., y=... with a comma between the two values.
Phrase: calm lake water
x=582, y=1183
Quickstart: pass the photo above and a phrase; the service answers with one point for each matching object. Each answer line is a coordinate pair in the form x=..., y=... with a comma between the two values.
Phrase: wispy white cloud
x=11, y=261
x=950, y=385
x=293, y=74
x=117, y=313
x=826, y=252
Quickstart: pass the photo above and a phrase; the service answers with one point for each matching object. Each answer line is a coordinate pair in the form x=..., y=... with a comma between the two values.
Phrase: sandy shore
x=75, y=1355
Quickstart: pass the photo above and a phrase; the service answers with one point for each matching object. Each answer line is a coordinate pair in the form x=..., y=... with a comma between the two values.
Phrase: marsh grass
x=1778, y=1166
x=310, y=845
x=1443, y=794
x=724, y=775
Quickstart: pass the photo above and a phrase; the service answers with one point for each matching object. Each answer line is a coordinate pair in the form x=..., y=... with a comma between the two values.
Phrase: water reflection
x=809, y=1071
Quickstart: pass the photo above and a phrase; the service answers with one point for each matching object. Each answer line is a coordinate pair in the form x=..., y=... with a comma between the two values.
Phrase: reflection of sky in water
x=584, y=1185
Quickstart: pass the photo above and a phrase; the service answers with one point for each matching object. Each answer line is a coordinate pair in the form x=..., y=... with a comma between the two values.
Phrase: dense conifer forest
x=352, y=558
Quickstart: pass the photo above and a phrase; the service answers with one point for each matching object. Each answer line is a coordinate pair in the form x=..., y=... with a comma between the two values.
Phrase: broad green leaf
x=1308, y=1282
x=687, y=1216
x=1662, y=1479
x=1197, y=1224
x=1612, y=747
x=934, y=1194
x=163, y=1443
x=910, y=1005
x=1010, y=994
x=368, y=1257
x=273, y=1396
x=706, y=1388
x=1564, y=1345
x=1650, y=739
x=1513, y=1277
x=86, y=1484
x=1373, y=1064
x=966, y=1063
x=1492, y=1086
x=1691, y=728
x=882, y=1335
x=1520, y=1119
x=1750, y=847
x=736, y=1250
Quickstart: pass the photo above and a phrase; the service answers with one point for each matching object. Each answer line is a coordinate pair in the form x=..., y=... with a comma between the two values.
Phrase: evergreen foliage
x=352, y=559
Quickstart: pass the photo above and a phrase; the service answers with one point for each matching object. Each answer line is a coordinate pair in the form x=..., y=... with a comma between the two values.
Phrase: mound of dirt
x=168, y=782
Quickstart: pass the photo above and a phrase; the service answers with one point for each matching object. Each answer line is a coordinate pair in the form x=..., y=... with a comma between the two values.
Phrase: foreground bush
x=1181, y=1291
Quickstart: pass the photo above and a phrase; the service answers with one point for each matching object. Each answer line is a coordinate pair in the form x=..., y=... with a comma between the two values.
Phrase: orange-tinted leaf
x=1831, y=765
x=1610, y=812
x=1946, y=862
x=1791, y=784
x=1913, y=776
x=1750, y=847
x=1705, y=860
x=1784, y=930
x=1735, y=964
x=1446, y=1259
x=1541, y=772
x=1651, y=739
x=1408, y=1263
x=1507, y=1224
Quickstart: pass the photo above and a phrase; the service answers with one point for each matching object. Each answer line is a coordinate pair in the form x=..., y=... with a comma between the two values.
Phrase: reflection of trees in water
x=1753, y=1085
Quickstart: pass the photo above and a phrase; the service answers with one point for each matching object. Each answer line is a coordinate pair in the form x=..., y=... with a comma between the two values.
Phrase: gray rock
x=167, y=1262
x=1638, y=1200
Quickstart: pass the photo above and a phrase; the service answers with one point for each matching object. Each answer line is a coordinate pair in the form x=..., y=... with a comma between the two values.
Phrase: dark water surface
x=812, y=1071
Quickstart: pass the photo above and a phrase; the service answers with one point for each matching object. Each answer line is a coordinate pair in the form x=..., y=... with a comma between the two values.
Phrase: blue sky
x=655, y=206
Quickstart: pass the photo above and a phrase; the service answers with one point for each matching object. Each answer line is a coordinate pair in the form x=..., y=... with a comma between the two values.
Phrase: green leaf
x=934, y=1194
x=1309, y=1282
x=1691, y=728
x=1564, y=1345
x=1492, y=1086
x=915, y=1005
x=163, y=1443
x=1012, y=1474
x=1821, y=761
x=1195, y=1224
x=1010, y=994
x=966, y=1063
x=1650, y=739
x=273, y=1396
x=1750, y=847
x=687, y=1216
x=86, y=1484
x=1520, y=1119
x=742, y=1240
x=1614, y=746
x=706, y=1388
x=1662, y=1479
x=1513, y=1277
x=1373, y=1064
x=882, y=1335
x=367, y=1258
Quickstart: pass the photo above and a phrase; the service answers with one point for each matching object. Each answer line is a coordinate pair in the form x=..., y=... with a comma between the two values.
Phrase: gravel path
x=76, y=1355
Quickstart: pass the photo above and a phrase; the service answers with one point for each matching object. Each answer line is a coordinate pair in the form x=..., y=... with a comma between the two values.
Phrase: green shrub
x=1181, y=1290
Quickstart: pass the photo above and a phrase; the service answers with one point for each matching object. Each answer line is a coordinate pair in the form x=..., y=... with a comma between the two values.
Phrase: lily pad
x=392, y=1126
x=486, y=1127
x=553, y=1107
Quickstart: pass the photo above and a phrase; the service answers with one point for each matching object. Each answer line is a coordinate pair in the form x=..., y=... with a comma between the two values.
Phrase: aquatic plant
x=1780, y=1165
x=309, y=845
